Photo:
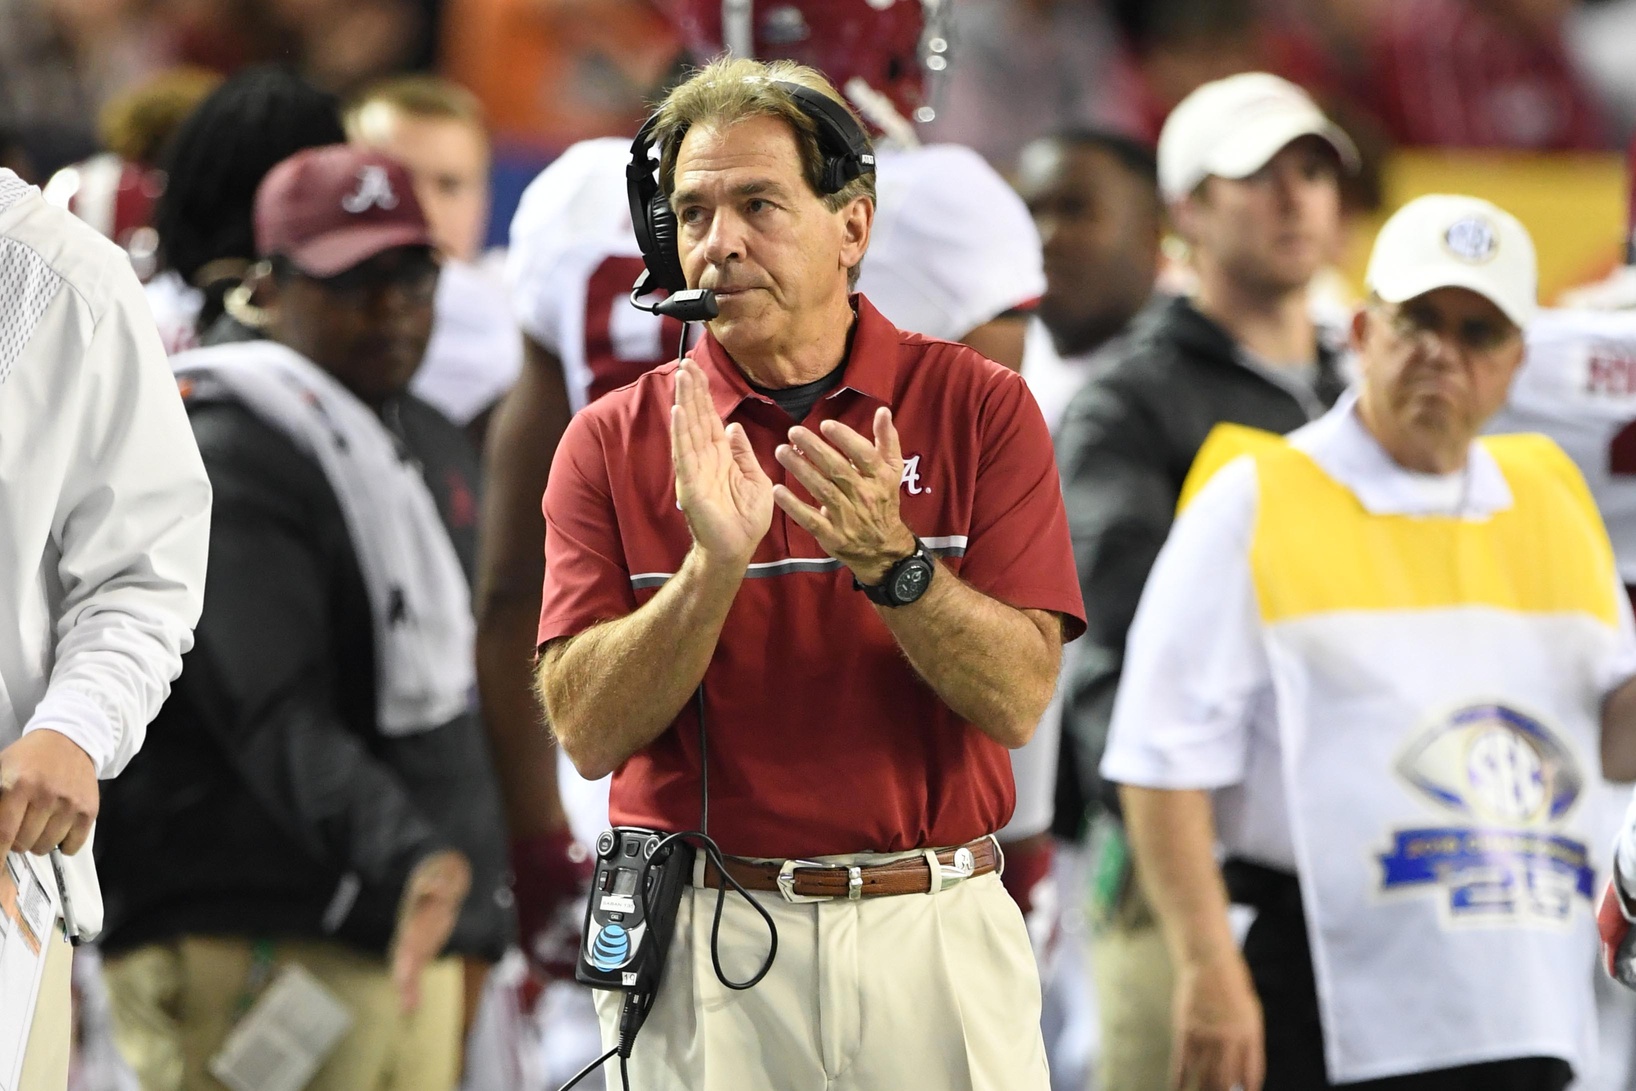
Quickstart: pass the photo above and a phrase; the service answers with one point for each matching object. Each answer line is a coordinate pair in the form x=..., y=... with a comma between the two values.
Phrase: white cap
x=1444, y=241
x=1232, y=128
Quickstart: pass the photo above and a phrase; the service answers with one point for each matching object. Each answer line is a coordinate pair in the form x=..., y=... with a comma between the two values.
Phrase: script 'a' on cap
x=1232, y=127
x=328, y=209
x=1450, y=241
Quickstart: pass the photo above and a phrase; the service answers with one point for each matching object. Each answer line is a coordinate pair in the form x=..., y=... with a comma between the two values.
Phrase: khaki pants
x=913, y=991
x=1133, y=989
x=174, y=1004
x=50, y=1036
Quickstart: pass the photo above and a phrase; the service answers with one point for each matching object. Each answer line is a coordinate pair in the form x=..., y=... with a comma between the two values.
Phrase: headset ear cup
x=838, y=171
x=831, y=181
x=662, y=259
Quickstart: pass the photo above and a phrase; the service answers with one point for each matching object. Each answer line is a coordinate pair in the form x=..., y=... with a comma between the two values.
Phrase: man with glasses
x=317, y=791
x=1382, y=663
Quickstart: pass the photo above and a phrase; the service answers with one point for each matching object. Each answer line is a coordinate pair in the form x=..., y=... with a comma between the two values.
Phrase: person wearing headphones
x=954, y=256
x=849, y=542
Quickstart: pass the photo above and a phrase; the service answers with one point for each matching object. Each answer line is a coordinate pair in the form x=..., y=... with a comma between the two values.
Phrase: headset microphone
x=691, y=305
x=684, y=305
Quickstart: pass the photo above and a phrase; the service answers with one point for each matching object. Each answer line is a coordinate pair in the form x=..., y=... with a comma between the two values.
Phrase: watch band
x=905, y=582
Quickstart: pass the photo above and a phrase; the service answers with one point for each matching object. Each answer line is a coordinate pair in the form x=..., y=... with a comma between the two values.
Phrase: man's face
x=752, y=230
x=1099, y=226
x=1273, y=230
x=368, y=326
x=448, y=160
x=1436, y=367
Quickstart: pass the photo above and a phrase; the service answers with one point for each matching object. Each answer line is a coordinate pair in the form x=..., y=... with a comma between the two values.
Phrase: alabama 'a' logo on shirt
x=911, y=476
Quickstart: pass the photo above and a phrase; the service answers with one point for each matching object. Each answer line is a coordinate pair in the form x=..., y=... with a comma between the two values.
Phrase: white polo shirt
x=1195, y=707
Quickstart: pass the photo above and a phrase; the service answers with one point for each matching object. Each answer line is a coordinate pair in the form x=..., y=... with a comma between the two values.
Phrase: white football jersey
x=952, y=248
x=175, y=304
x=1578, y=386
x=474, y=355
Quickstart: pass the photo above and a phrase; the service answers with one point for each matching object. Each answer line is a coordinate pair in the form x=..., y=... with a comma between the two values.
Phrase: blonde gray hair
x=729, y=90
x=417, y=96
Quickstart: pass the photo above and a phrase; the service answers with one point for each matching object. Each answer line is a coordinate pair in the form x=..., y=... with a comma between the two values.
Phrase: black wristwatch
x=905, y=581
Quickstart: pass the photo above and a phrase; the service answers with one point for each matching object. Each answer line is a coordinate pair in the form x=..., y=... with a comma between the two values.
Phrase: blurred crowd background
x=1530, y=103
x=1518, y=75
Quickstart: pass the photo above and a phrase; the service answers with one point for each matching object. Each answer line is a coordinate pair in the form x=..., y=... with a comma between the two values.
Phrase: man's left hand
x=856, y=483
x=48, y=794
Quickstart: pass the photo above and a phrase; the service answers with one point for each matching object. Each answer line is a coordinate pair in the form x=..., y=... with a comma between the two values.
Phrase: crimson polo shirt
x=822, y=738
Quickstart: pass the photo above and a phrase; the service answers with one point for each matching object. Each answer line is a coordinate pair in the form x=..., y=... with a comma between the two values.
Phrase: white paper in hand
x=284, y=1038
x=26, y=918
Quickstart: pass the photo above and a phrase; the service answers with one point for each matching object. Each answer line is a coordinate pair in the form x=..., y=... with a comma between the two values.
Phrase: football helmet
x=116, y=197
x=879, y=53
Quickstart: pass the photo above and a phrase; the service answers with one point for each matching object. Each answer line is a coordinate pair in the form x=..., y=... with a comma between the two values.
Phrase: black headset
x=847, y=154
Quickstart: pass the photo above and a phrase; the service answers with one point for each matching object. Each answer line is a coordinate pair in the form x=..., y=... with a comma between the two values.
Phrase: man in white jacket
x=104, y=522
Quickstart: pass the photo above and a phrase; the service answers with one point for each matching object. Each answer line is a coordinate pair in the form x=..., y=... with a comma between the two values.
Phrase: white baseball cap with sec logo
x=1448, y=241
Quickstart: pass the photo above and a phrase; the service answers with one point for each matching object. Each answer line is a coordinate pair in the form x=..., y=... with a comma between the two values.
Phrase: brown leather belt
x=804, y=880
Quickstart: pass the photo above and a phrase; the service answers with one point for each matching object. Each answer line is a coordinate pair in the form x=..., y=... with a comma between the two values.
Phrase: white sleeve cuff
x=80, y=719
x=1206, y=767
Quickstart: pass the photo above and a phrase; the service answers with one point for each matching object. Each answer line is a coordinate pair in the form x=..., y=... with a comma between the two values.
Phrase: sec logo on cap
x=1472, y=239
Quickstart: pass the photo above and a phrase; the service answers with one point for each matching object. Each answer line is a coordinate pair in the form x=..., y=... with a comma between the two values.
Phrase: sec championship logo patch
x=1507, y=783
x=1472, y=239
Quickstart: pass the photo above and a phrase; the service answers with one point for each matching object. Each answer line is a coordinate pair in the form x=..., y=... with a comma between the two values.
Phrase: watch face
x=910, y=583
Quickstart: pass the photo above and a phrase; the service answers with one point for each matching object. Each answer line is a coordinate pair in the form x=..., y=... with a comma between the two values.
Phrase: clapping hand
x=856, y=483
x=720, y=487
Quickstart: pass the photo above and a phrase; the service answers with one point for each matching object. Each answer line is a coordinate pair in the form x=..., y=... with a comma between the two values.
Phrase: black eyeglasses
x=415, y=279
x=1477, y=336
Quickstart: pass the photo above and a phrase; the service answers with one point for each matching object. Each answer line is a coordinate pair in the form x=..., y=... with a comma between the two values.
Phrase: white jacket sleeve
x=131, y=531
x=1196, y=668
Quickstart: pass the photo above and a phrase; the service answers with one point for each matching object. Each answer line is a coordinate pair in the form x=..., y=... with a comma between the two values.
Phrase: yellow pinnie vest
x=1437, y=691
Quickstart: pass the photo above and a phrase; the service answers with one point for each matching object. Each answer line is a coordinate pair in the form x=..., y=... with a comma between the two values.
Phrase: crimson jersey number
x=610, y=287
x=1622, y=452
x=1622, y=463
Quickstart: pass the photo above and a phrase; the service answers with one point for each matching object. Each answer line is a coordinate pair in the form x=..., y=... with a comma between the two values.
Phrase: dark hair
x=220, y=154
x=1132, y=154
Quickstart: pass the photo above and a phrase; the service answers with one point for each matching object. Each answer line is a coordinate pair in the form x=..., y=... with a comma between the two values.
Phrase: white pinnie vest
x=1438, y=712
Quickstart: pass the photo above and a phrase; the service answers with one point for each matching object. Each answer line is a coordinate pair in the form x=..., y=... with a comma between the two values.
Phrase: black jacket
x=265, y=802
x=1124, y=448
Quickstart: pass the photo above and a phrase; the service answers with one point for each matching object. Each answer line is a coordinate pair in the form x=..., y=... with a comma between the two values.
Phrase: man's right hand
x=48, y=794
x=1220, y=1040
x=720, y=486
x=426, y=915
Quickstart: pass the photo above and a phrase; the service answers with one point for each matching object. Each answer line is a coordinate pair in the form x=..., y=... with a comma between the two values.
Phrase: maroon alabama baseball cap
x=328, y=209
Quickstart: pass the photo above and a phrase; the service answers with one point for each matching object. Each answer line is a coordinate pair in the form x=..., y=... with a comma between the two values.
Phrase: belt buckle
x=786, y=881
x=952, y=874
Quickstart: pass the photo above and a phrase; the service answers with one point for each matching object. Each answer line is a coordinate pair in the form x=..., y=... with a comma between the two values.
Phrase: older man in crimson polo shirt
x=745, y=519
